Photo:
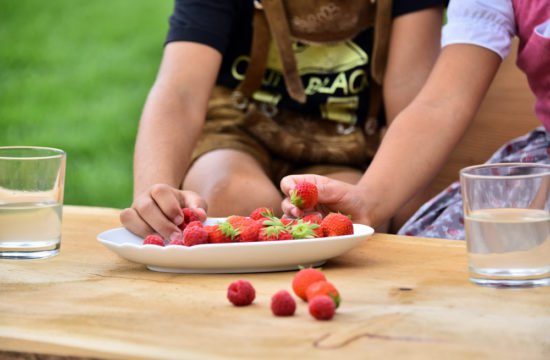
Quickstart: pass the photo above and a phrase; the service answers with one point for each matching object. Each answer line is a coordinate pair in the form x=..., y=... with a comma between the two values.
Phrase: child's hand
x=159, y=210
x=333, y=196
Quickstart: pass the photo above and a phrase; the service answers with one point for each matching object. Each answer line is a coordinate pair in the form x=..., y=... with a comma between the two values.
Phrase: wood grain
x=401, y=297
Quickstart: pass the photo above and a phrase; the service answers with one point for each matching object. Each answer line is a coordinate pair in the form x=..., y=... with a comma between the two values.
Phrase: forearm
x=174, y=114
x=423, y=135
x=413, y=151
x=166, y=137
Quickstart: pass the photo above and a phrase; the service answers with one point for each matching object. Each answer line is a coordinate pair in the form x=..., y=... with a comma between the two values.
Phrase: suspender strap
x=261, y=39
x=382, y=33
x=278, y=23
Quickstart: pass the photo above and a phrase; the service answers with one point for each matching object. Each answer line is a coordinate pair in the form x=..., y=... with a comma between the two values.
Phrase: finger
x=288, y=183
x=148, y=210
x=134, y=223
x=192, y=200
x=332, y=191
x=167, y=200
x=291, y=210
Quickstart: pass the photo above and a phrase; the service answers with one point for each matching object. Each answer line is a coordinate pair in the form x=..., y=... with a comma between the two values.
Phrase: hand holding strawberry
x=304, y=195
x=333, y=196
x=158, y=209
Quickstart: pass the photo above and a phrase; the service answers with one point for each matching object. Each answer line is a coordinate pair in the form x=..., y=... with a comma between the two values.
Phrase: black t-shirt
x=335, y=77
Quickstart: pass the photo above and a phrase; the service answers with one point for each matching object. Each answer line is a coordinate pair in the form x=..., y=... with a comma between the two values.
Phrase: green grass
x=74, y=75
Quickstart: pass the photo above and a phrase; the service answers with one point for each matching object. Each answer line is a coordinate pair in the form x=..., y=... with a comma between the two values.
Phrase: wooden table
x=403, y=297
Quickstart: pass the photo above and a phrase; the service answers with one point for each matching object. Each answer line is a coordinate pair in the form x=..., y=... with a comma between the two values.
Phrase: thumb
x=288, y=183
x=330, y=191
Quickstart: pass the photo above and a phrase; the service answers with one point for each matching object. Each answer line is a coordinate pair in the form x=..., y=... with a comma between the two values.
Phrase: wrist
x=372, y=208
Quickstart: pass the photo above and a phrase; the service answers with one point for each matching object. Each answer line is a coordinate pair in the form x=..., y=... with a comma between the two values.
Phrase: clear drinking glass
x=31, y=201
x=507, y=223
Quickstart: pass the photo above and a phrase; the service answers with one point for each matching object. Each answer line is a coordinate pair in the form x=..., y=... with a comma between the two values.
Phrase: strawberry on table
x=283, y=304
x=304, y=195
x=322, y=307
x=241, y=293
x=323, y=288
x=304, y=278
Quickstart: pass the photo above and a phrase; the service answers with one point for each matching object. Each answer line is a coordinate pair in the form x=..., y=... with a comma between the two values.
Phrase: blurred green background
x=74, y=75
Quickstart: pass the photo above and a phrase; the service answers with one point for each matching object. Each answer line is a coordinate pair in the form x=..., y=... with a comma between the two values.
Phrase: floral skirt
x=443, y=215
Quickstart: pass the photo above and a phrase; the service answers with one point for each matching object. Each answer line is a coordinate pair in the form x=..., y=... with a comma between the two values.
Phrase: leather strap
x=382, y=33
x=280, y=30
x=259, y=50
x=272, y=23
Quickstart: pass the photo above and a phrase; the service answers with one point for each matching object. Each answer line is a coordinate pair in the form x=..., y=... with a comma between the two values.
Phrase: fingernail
x=175, y=236
x=178, y=220
x=295, y=213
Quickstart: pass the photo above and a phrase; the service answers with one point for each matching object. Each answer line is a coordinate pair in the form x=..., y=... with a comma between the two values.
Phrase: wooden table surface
x=402, y=297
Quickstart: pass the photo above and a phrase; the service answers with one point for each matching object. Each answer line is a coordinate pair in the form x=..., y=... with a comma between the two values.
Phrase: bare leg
x=232, y=183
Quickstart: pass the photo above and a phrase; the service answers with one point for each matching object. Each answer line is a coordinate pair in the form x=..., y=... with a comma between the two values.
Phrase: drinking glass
x=31, y=201
x=507, y=223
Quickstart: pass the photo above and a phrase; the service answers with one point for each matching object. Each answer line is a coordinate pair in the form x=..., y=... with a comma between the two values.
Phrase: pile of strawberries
x=309, y=284
x=261, y=224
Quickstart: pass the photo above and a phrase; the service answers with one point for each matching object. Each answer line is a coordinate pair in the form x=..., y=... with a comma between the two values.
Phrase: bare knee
x=238, y=194
x=232, y=183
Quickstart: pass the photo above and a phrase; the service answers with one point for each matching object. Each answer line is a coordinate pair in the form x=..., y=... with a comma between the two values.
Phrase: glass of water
x=507, y=223
x=31, y=201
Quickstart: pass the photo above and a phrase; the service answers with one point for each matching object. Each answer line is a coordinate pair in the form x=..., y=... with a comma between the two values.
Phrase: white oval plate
x=264, y=256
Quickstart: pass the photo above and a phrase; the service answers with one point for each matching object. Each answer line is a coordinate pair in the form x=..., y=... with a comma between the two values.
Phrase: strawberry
x=273, y=233
x=321, y=307
x=314, y=218
x=241, y=293
x=261, y=213
x=302, y=230
x=194, y=223
x=189, y=215
x=283, y=304
x=262, y=221
x=248, y=231
x=323, y=288
x=336, y=224
x=153, y=240
x=176, y=242
x=194, y=235
x=304, y=195
x=236, y=220
x=304, y=278
x=221, y=233
x=287, y=221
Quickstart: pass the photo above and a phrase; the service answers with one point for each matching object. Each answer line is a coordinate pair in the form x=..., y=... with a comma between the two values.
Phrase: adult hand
x=158, y=210
x=334, y=196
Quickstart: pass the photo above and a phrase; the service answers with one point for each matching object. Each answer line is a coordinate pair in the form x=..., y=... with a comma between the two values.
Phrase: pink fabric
x=534, y=52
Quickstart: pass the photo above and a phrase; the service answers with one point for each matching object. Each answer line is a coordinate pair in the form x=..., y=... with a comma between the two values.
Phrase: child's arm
x=171, y=122
x=418, y=141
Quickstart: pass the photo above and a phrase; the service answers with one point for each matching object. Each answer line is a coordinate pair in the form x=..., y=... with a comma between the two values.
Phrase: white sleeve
x=489, y=24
